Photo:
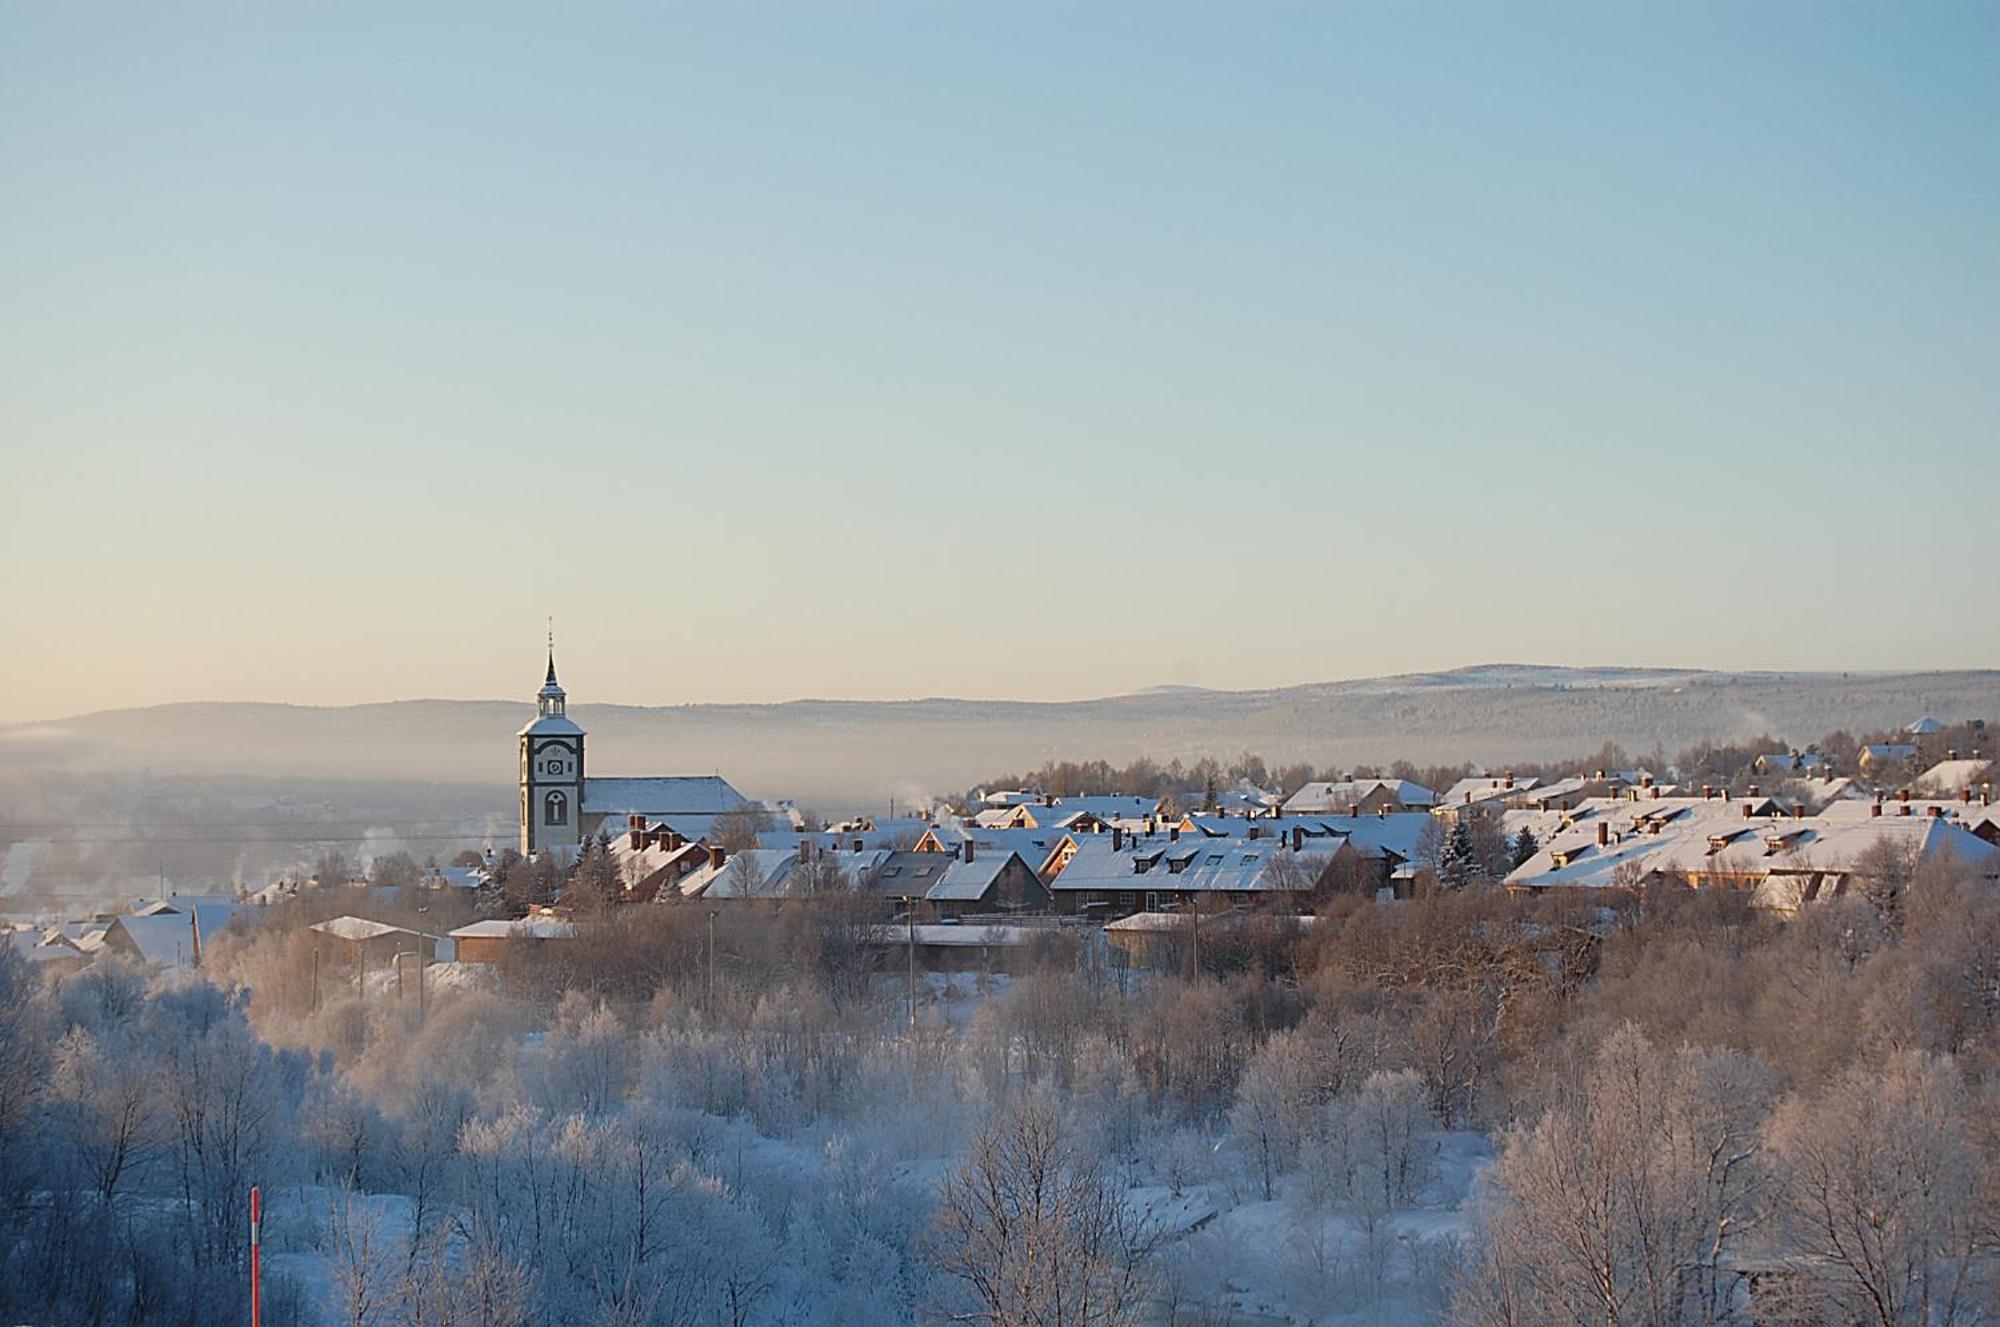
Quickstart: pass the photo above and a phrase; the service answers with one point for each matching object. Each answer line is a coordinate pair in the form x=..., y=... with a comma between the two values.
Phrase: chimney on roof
x=1117, y=839
x=674, y=841
x=1173, y=834
x=1875, y=810
x=1905, y=809
x=635, y=822
x=1965, y=794
x=1755, y=791
x=1298, y=838
x=717, y=855
x=1799, y=811
x=970, y=848
x=1749, y=808
x=1951, y=753
x=805, y=850
x=1937, y=813
x=1603, y=833
x=1354, y=810
x=636, y=837
x=1256, y=831
x=1903, y=794
x=1468, y=796
x=1705, y=792
x=1645, y=780
x=1656, y=792
x=1382, y=811
x=857, y=845
x=1510, y=779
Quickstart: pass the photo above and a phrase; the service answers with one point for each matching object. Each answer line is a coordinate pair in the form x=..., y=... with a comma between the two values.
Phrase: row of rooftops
x=1747, y=843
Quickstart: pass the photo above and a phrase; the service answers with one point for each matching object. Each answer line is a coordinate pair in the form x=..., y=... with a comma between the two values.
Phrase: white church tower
x=551, y=774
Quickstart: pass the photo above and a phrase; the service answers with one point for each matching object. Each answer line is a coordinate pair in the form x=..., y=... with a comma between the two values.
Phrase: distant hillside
x=837, y=754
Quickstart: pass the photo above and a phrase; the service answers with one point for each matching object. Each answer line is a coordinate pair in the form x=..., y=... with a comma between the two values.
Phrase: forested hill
x=834, y=752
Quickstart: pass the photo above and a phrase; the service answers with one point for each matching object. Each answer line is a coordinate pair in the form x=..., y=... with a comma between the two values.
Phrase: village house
x=1365, y=795
x=357, y=942
x=1115, y=876
x=490, y=941
x=966, y=883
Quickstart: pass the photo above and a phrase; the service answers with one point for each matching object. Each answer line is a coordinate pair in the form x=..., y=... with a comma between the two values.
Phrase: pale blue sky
x=1004, y=350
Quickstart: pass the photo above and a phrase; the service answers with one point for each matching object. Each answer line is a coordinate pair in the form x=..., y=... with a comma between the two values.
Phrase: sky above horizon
x=893, y=350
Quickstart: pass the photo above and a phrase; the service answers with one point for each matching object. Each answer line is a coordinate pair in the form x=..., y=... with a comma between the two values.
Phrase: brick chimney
x=1603, y=833
x=1875, y=811
x=970, y=848
x=717, y=855
x=1749, y=810
x=1117, y=839
x=1298, y=838
x=1354, y=810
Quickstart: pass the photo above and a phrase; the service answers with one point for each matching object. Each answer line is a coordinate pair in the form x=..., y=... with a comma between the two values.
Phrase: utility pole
x=256, y=1251
x=910, y=911
x=1194, y=919
x=711, y=967
x=315, y=978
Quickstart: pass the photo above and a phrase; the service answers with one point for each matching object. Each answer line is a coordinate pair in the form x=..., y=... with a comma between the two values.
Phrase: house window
x=555, y=809
x=1127, y=899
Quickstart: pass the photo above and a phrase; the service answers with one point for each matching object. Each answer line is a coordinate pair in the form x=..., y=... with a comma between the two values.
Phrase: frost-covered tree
x=1888, y=1199
x=1033, y=1234
x=1629, y=1201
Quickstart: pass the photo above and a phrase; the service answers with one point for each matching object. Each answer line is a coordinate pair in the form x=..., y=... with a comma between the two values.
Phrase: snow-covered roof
x=1924, y=727
x=527, y=928
x=1888, y=751
x=661, y=798
x=1714, y=837
x=935, y=935
x=941, y=878
x=1485, y=787
x=1174, y=922
x=551, y=725
x=361, y=929
x=1336, y=797
x=1953, y=776
x=165, y=939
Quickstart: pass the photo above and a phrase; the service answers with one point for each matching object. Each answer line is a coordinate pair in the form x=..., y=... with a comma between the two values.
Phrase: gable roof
x=1339, y=796
x=661, y=798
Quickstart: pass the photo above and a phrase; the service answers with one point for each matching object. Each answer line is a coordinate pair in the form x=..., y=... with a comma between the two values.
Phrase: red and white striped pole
x=256, y=1249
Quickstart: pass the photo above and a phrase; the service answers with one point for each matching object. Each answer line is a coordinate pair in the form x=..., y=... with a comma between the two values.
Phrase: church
x=562, y=808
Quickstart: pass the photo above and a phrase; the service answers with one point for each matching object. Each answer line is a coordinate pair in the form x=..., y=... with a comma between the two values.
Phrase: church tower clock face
x=555, y=762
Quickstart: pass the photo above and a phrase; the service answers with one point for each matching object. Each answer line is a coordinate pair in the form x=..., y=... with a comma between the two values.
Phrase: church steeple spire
x=551, y=699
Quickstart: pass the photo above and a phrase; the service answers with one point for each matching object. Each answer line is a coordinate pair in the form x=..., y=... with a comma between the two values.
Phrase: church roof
x=552, y=725
x=661, y=798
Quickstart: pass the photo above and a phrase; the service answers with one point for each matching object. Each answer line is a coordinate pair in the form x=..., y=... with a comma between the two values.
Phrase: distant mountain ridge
x=844, y=752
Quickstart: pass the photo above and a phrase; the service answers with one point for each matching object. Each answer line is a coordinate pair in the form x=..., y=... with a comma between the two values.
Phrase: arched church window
x=555, y=809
